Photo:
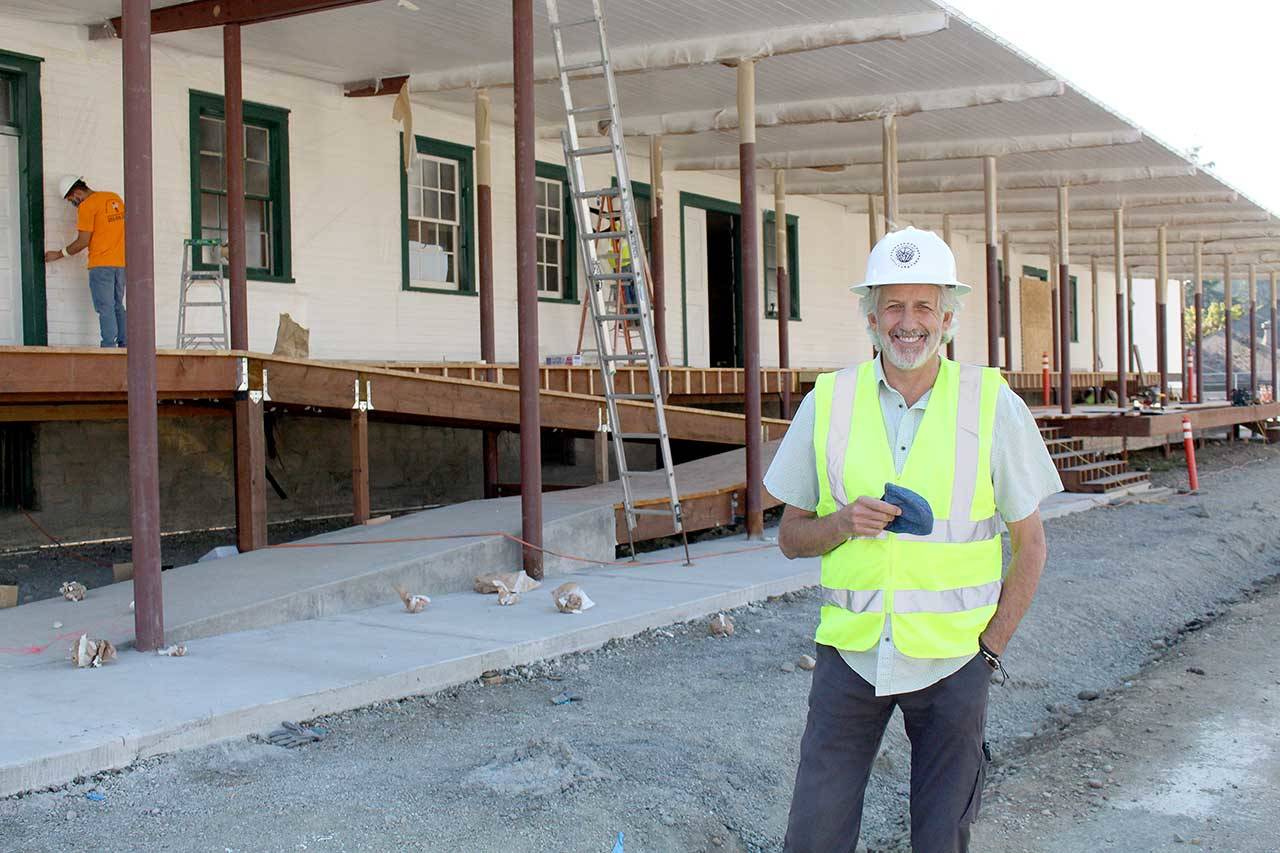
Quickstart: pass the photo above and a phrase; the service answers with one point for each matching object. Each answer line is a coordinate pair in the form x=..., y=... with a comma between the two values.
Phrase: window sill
x=278, y=279
x=560, y=300
x=414, y=288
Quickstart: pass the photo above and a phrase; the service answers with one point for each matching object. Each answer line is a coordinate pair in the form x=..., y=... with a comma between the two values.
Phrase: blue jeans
x=106, y=286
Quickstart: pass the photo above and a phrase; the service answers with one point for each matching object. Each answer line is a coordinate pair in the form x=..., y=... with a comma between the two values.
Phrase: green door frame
x=715, y=205
x=22, y=72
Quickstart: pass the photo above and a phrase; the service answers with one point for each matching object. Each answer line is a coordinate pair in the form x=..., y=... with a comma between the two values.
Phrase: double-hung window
x=266, y=184
x=436, y=198
x=557, y=269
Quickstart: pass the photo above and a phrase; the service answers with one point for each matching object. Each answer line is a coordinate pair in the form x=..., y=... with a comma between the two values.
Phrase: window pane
x=255, y=217
x=448, y=175
x=432, y=207
x=212, y=134
x=445, y=235
x=6, y=101
x=212, y=175
x=255, y=249
x=209, y=209
x=222, y=212
x=447, y=207
x=211, y=252
x=430, y=173
x=540, y=220
x=257, y=178
x=255, y=144
x=553, y=223
x=415, y=201
x=771, y=293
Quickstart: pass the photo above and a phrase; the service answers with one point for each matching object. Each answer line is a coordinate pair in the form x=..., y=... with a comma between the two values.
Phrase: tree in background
x=1213, y=318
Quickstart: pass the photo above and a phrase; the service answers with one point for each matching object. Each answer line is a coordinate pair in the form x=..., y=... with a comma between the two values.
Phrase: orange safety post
x=1044, y=377
x=1189, y=444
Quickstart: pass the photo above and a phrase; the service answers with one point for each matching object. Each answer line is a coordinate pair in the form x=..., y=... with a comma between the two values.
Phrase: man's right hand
x=867, y=517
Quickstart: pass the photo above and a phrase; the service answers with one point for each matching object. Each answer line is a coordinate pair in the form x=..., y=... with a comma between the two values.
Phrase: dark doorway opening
x=724, y=289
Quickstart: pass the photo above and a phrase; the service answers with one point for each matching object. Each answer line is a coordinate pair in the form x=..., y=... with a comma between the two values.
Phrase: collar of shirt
x=884, y=386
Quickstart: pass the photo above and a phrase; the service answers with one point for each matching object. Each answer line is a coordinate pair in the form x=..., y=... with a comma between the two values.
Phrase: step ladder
x=626, y=331
x=587, y=28
x=203, y=289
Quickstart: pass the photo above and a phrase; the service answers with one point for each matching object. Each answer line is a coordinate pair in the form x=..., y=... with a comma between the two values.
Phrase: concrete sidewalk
x=60, y=722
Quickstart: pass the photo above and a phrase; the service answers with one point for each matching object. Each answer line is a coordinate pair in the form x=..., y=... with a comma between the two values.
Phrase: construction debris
x=721, y=626
x=73, y=591
x=517, y=582
x=491, y=677
x=376, y=520
x=8, y=596
x=92, y=653
x=175, y=651
x=507, y=598
x=571, y=598
x=412, y=602
x=806, y=662
x=292, y=340
x=292, y=735
x=121, y=572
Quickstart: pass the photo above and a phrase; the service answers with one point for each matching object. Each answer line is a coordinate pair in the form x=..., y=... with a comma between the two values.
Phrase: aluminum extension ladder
x=594, y=62
x=198, y=290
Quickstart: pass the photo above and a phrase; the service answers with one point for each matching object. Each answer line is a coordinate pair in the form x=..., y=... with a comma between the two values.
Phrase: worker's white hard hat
x=911, y=256
x=66, y=182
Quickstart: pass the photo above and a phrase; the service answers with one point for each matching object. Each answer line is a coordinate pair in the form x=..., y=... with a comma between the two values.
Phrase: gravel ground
x=685, y=742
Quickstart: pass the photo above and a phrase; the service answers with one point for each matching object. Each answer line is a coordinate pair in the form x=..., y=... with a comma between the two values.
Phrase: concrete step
x=1114, y=481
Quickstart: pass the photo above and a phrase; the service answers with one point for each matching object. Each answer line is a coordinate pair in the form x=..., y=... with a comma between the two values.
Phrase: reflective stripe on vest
x=915, y=600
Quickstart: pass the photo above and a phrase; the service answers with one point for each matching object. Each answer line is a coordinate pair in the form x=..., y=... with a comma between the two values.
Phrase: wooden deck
x=49, y=383
x=1108, y=421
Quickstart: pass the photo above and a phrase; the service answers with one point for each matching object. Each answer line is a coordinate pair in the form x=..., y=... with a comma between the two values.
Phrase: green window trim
x=276, y=121
x=1029, y=271
x=1075, y=309
x=21, y=73
x=465, y=156
x=569, y=234
x=793, y=264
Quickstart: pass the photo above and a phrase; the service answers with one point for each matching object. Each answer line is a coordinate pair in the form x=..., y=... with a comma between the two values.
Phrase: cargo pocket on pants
x=975, y=796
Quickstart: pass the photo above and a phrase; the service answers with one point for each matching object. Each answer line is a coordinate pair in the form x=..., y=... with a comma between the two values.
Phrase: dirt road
x=689, y=743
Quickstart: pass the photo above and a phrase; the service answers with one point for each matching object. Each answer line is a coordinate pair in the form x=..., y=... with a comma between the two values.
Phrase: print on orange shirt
x=102, y=213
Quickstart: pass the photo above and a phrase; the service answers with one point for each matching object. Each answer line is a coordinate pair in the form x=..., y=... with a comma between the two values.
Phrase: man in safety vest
x=915, y=621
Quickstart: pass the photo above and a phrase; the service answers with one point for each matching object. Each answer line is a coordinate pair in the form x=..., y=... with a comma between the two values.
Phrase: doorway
x=1035, y=299
x=724, y=289
x=22, y=290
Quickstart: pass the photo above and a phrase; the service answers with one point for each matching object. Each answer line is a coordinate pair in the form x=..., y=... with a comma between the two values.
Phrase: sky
x=1190, y=73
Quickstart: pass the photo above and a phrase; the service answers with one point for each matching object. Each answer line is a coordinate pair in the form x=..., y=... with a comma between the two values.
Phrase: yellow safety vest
x=940, y=590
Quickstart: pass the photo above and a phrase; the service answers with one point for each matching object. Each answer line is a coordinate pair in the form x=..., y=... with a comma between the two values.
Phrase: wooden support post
x=1271, y=336
x=1095, y=310
x=1064, y=299
x=1055, y=321
x=657, y=268
x=1253, y=331
x=251, y=473
x=873, y=225
x=993, y=269
x=750, y=294
x=1132, y=310
x=527, y=289
x=1006, y=312
x=889, y=171
x=1122, y=343
x=946, y=238
x=1199, y=331
x=360, y=466
x=1226, y=319
x=600, y=443
x=144, y=441
x=783, y=284
x=484, y=239
x=1162, y=323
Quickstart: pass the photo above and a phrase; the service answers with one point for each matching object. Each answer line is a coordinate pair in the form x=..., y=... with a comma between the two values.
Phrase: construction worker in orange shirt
x=100, y=221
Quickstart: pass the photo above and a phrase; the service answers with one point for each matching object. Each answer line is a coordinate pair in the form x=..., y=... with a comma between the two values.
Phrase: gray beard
x=903, y=363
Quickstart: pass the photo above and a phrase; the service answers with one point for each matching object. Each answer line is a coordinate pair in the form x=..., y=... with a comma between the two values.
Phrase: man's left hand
x=995, y=644
x=51, y=256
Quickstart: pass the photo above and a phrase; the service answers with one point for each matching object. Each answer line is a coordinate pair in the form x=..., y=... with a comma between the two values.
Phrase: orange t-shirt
x=102, y=213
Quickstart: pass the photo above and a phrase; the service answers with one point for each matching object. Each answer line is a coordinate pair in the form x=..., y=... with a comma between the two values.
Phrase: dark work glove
x=917, y=515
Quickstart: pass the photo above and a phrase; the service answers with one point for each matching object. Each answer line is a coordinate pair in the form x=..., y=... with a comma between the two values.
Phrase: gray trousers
x=945, y=724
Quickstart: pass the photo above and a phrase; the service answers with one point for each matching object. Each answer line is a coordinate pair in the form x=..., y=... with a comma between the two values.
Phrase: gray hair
x=950, y=303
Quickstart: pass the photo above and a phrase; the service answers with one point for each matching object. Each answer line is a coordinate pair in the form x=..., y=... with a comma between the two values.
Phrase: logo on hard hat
x=905, y=255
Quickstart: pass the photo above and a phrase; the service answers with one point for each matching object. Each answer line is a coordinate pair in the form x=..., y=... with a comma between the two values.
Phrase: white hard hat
x=911, y=256
x=66, y=182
